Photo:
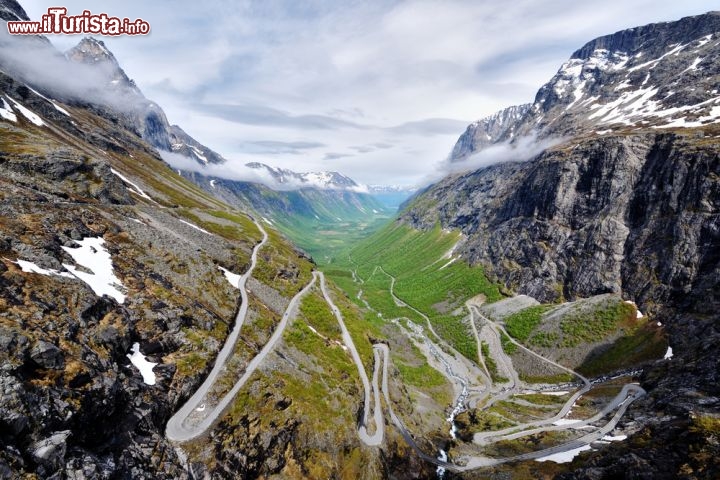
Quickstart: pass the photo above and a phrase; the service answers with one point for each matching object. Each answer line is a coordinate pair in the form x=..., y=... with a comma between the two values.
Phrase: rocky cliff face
x=632, y=213
x=628, y=201
x=662, y=75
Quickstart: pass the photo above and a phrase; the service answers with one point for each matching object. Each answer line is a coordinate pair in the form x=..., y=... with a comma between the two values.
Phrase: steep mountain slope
x=657, y=76
x=627, y=202
x=113, y=308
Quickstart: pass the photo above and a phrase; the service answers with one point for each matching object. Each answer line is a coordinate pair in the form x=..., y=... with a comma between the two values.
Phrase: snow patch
x=556, y=394
x=212, y=183
x=565, y=421
x=141, y=363
x=452, y=260
x=32, y=117
x=199, y=154
x=638, y=313
x=617, y=438
x=133, y=186
x=30, y=267
x=693, y=65
x=195, y=226
x=58, y=108
x=653, y=63
x=6, y=111
x=668, y=354
x=267, y=221
x=93, y=255
x=564, y=457
x=704, y=40
x=233, y=278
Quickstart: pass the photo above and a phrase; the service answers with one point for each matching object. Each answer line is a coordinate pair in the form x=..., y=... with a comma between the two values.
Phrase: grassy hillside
x=321, y=222
x=428, y=278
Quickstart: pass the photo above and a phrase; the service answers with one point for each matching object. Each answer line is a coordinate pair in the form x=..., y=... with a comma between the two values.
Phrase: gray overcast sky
x=378, y=90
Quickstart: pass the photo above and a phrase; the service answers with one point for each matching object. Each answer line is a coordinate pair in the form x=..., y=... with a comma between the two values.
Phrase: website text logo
x=57, y=21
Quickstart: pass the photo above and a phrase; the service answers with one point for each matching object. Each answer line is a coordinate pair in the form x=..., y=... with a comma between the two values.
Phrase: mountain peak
x=657, y=76
x=10, y=11
x=653, y=38
x=322, y=180
x=91, y=51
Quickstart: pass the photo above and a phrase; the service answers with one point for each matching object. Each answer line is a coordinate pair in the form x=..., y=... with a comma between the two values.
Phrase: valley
x=547, y=308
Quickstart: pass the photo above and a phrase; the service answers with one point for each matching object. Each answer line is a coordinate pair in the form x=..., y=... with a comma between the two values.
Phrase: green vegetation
x=521, y=324
x=326, y=239
x=507, y=345
x=558, y=378
x=544, y=339
x=425, y=279
x=586, y=327
x=318, y=315
x=642, y=344
x=705, y=424
x=540, y=399
x=481, y=421
x=490, y=364
x=364, y=329
x=516, y=411
x=280, y=267
x=422, y=376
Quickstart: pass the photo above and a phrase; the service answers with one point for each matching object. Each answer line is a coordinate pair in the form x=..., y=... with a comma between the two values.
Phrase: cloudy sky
x=376, y=89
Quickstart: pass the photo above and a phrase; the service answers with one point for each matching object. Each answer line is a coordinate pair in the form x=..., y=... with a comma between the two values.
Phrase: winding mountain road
x=621, y=401
x=177, y=428
x=194, y=418
x=376, y=438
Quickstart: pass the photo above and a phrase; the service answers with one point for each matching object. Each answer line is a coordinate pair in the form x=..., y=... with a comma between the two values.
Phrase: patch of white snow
x=6, y=111
x=30, y=267
x=195, y=226
x=668, y=354
x=233, y=278
x=564, y=457
x=141, y=363
x=93, y=255
x=32, y=117
x=133, y=186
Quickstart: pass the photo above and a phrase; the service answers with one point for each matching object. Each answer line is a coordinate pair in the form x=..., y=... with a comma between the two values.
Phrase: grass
x=521, y=324
x=280, y=266
x=557, y=378
x=424, y=279
x=507, y=345
x=540, y=399
x=490, y=364
x=587, y=327
x=421, y=376
x=643, y=344
x=481, y=421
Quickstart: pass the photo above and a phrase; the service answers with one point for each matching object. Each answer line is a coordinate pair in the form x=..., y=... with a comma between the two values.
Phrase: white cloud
x=380, y=64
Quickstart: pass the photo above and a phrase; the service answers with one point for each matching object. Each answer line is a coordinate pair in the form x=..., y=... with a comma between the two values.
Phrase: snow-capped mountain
x=656, y=76
x=288, y=179
x=488, y=130
x=184, y=144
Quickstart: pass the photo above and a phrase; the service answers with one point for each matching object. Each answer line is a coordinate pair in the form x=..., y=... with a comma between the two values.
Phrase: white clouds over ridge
x=313, y=85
